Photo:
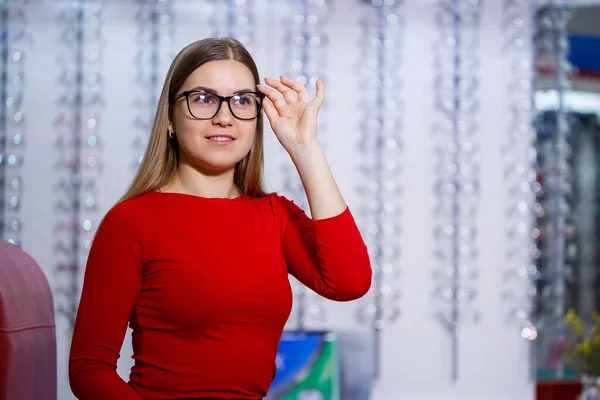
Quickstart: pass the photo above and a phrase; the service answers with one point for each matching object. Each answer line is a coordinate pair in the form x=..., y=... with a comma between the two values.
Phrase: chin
x=214, y=161
x=218, y=165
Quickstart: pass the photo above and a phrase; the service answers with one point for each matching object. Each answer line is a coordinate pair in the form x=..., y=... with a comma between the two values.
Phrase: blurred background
x=463, y=134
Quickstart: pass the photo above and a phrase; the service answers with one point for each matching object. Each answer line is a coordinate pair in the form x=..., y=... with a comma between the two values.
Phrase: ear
x=170, y=126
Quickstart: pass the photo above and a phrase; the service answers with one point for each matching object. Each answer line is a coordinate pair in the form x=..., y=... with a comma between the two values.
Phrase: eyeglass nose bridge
x=224, y=99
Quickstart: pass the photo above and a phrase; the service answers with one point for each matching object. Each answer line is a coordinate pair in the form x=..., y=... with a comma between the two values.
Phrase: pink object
x=27, y=328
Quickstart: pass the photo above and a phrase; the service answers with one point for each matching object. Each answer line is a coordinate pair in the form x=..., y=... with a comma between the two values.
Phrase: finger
x=272, y=95
x=297, y=87
x=320, y=95
x=271, y=111
x=288, y=94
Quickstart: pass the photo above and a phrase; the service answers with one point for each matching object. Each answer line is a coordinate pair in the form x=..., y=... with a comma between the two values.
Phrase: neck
x=190, y=180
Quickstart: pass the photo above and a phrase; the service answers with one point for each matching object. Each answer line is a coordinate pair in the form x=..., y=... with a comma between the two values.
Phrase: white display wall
x=492, y=359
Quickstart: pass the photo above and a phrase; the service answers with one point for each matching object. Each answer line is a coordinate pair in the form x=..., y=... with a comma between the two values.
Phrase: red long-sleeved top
x=203, y=283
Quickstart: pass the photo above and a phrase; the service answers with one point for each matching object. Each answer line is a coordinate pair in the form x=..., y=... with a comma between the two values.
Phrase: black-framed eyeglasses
x=205, y=105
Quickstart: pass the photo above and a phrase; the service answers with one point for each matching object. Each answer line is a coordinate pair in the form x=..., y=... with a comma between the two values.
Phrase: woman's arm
x=327, y=253
x=111, y=286
x=293, y=118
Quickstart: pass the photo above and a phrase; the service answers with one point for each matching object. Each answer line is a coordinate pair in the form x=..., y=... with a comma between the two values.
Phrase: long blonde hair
x=161, y=157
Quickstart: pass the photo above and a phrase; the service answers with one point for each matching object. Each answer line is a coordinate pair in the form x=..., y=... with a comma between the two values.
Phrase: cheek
x=190, y=135
x=191, y=127
x=178, y=119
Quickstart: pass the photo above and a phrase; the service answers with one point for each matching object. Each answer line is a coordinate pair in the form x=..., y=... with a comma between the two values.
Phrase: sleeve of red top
x=112, y=283
x=328, y=255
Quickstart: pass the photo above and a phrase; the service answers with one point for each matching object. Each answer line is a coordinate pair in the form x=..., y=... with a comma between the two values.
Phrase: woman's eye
x=244, y=100
x=202, y=98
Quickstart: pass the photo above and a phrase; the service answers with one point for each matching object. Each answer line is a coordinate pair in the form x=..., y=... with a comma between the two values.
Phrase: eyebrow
x=209, y=90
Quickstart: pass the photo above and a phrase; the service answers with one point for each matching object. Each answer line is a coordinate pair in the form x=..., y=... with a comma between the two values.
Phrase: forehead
x=224, y=76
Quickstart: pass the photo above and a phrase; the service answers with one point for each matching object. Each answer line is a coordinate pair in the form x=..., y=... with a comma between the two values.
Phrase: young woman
x=196, y=255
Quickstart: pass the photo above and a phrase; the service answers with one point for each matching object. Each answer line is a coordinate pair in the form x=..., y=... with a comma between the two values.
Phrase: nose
x=224, y=116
